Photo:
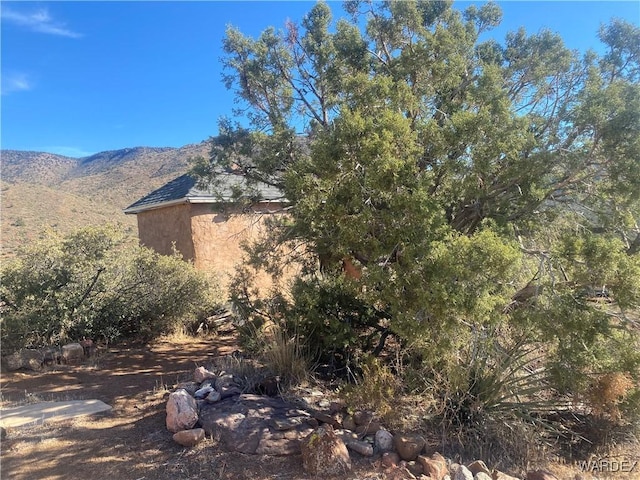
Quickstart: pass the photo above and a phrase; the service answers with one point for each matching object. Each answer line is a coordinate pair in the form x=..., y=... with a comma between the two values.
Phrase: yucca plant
x=502, y=394
x=503, y=380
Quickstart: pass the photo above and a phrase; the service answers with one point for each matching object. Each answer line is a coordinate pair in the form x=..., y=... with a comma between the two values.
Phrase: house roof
x=185, y=189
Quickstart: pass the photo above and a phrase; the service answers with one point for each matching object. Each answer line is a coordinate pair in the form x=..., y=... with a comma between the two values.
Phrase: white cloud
x=15, y=82
x=38, y=21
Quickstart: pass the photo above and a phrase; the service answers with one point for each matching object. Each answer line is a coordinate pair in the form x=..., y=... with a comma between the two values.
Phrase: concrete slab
x=38, y=413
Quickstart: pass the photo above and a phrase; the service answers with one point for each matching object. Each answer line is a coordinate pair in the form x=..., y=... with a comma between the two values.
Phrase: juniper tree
x=475, y=185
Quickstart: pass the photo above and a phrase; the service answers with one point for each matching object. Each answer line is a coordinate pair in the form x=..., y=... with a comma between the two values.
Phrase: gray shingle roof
x=185, y=189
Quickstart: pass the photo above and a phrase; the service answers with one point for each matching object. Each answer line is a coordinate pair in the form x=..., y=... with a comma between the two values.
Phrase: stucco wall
x=210, y=236
x=158, y=229
x=217, y=237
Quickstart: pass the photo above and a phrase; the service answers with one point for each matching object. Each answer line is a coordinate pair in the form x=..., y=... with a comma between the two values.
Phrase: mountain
x=41, y=191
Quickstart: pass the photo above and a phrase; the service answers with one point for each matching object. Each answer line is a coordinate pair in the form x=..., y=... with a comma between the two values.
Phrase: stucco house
x=205, y=224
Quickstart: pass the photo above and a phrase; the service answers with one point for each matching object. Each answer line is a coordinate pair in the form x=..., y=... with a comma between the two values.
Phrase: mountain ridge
x=42, y=191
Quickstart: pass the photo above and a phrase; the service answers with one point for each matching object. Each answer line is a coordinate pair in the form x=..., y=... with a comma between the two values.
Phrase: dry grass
x=285, y=355
x=608, y=392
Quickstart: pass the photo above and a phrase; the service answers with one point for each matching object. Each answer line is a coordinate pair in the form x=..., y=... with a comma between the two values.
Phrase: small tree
x=95, y=283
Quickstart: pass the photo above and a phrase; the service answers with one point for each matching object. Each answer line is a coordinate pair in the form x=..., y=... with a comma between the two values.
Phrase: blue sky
x=84, y=77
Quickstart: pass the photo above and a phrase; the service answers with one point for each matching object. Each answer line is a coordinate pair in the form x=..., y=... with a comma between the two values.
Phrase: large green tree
x=476, y=185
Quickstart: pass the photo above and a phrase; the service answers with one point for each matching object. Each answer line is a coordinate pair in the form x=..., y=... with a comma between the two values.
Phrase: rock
x=478, y=466
x=362, y=417
x=482, y=476
x=27, y=358
x=201, y=374
x=72, y=353
x=363, y=448
x=229, y=391
x=191, y=387
x=346, y=435
x=324, y=454
x=390, y=459
x=326, y=418
x=3, y=433
x=189, y=438
x=203, y=392
x=463, y=473
x=498, y=475
x=213, y=397
x=348, y=423
x=182, y=411
x=383, y=441
x=257, y=424
x=541, y=475
x=283, y=424
x=434, y=466
x=415, y=468
x=409, y=446
x=52, y=356
x=368, y=428
x=224, y=380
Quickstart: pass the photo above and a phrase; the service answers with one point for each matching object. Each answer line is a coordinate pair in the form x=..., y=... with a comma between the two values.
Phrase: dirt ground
x=131, y=442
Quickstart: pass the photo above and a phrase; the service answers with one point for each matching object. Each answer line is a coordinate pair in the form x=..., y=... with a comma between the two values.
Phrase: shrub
x=98, y=284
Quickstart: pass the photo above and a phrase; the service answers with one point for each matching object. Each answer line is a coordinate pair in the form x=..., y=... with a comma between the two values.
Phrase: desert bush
x=95, y=283
x=375, y=389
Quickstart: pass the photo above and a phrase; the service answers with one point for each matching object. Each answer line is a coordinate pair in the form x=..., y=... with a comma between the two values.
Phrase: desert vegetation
x=463, y=214
x=97, y=283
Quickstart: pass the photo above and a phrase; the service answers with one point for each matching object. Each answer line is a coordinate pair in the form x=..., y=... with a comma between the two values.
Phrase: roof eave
x=154, y=206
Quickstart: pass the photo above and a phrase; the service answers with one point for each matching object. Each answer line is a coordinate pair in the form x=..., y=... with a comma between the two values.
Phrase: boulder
x=463, y=473
x=203, y=392
x=182, y=411
x=256, y=424
x=189, y=438
x=324, y=454
x=52, y=356
x=478, y=466
x=409, y=446
x=200, y=374
x=348, y=423
x=72, y=353
x=383, y=441
x=27, y=358
x=224, y=380
x=363, y=448
x=482, y=476
x=368, y=428
x=213, y=397
x=362, y=417
x=434, y=466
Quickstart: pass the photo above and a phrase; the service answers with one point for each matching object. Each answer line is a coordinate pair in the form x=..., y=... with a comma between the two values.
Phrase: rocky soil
x=241, y=436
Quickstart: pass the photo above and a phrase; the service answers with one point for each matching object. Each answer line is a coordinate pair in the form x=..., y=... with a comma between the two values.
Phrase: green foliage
x=470, y=185
x=95, y=284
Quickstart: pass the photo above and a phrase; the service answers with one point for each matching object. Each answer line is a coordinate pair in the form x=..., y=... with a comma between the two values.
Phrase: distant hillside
x=42, y=190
